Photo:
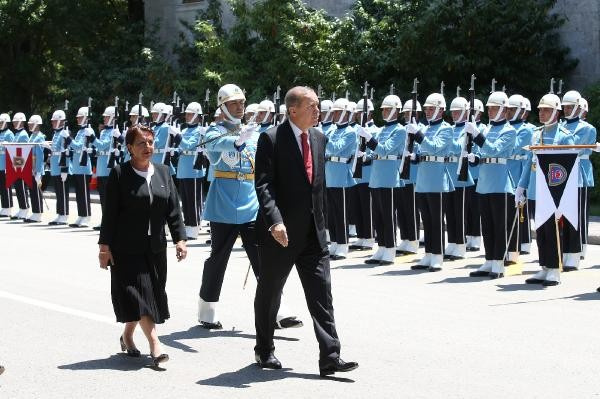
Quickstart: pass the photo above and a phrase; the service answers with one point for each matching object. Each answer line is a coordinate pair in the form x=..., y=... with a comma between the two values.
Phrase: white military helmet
x=4, y=119
x=391, y=101
x=282, y=109
x=218, y=112
x=229, y=92
x=109, y=111
x=571, y=97
x=516, y=101
x=459, y=104
x=435, y=100
x=158, y=108
x=479, y=106
x=550, y=101
x=135, y=111
x=526, y=104
x=351, y=109
x=34, y=120
x=168, y=109
x=341, y=104
x=266, y=106
x=407, y=107
x=193, y=108
x=583, y=104
x=326, y=105
x=83, y=111
x=360, y=106
x=58, y=115
x=498, y=99
x=19, y=117
x=252, y=108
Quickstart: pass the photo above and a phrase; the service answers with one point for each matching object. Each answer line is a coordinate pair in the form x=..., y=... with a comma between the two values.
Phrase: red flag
x=19, y=165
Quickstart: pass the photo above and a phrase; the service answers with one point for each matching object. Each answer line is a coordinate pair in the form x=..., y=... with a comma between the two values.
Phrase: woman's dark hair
x=135, y=131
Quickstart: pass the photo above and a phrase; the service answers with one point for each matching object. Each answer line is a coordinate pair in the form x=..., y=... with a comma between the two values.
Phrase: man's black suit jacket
x=282, y=186
x=127, y=210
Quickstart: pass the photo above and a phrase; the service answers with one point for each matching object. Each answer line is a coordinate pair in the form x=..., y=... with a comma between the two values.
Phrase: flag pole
x=560, y=264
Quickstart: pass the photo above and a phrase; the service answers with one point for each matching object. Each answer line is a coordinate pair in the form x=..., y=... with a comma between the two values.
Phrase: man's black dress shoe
x=569, y=269
x=434, y=269
x=97, y=228
x=288, y=322
x=337, y=366
x=509, y=262
x=336, y=257
x=211, y=326
x=372, y=261
x=494, y=276
x=479, y=273
x=524, y=252
x=419, y=267
x=267, y=362
x=550, y=283
x=598, y=289
x=534, y=281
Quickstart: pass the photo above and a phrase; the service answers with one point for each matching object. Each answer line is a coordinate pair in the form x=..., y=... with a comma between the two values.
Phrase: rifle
x=410, y=138
x=467, y=144
x=170, y=142
x=83, y=161
x=277, y=105
x=62, y=161
x=362, y=146
x=115, y=142
x=206, y=121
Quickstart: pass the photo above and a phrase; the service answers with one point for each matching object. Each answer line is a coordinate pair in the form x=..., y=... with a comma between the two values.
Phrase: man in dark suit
x=290, y=185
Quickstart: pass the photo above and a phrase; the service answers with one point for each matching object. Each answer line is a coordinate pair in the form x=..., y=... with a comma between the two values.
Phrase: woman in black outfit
x=140, y=198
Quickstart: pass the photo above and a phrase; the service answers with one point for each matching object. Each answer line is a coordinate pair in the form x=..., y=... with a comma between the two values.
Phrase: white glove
x=89, y=150
x=200, y=149
x=362, y=132
x=412, y=128
x=174, y=130
x=38, y=178
x=597, y=149
x=116, y=133
x=519, y=196
x=360, y=154
x=413, y=156
x=47, y=145
x=64, y=134
x=116, y=152
x=245, y=134
x=63, y=176
x=471, y=128
x=89, y=132
x=471, y=157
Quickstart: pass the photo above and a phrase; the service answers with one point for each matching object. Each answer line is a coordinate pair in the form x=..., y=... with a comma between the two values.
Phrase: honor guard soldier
x=529, y=206
x=134, y=119
x=388, y=150
x=61, y=141
x=6, y=136
x=583, y=104
x=107, y=147
x=250, y=113
x=339, y=151
x=38, y=162
x=327, y=126
x=516, y=162
x=82, y=167
x=551, y=133
x=282, y=113
x=456, y=202
x=190, y=169
x=407, y=210
x=433, y=178
x=21, y=136
x=162, y=131
x=231, y=204
x=473, y=216
x=494, y=184
x=351, y=192
x=575, y=240
x=265, y=115
x=363, y=201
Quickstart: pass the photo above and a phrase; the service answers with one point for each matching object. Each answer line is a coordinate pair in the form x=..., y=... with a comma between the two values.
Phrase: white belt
x=518, y=157
x=339, y=159
x=387, y=157
x=501, y=161
x=103, y=153
x=433, y=158
x=160, y=151
x=190, y=152
x=56, y=152
x=584, y=156
x=452, y=159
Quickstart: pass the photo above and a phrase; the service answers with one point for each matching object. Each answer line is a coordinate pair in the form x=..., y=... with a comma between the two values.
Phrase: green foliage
x=592, y=95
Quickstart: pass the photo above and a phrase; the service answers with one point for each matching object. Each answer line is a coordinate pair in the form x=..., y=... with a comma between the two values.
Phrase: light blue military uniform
x=5, y=136
x=190, y=138
x=459, y=137
x=103, y=146
x=517, y=160
x=161, y=139
x=38, y=152
x=583, y=133
x=387, y=157
x=369, y=156
x=264, y=127
x=78, y=146
x=21, y=136
x=57, y=146
x=339, y=150
x=499, y=143
x=230, y=201
x=433, y=175
x=327, y=128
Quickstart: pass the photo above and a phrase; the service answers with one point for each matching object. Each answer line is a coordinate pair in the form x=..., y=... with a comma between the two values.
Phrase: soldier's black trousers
x=473, y=214
x=6, y=200
x=82, y=195
x=37, y=197
x=191, y=200
x=493, y=224
x=571, y=237
x=102, y=189
x=384, y=217
x=61, y=188
x=223, y=236
x=512, y=212
x=337, y=214
x=361, y=208
x=21, y=191
x=548, y=245
x=454, y=209
x=407, y=213
x=431, y=206
x=584, y=214
x=525, y=225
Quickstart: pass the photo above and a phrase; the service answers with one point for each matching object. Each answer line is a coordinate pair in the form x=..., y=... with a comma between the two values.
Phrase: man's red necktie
x=307, y=157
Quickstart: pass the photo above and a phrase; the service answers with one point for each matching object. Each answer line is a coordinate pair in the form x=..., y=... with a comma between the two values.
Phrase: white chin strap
x=516, y=116
x=266, y=118
x=581, y=113
x=392, y=115
x=327, y=117
x=233, y=120
x=84, y=121
x=498, y=115
x=339, y=121
x=573, y=112
x=462, y=115
x=551, y=119
x=110, y=121
x=435, y=115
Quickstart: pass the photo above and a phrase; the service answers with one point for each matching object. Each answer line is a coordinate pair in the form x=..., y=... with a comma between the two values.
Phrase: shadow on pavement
x=242, y=378
x=405, y=272
x=119, y=362
x=462, y=279
x=198, y=332
x=356, y=266
x=520, y=287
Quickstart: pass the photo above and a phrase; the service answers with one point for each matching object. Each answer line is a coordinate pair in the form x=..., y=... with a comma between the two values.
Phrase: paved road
x=416, y=335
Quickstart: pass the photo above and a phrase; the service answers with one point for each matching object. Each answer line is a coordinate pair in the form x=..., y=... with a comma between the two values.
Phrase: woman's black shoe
x=130, y=352
x=159, y=359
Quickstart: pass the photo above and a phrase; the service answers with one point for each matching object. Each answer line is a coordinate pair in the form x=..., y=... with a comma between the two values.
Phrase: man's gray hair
x=294, y=96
